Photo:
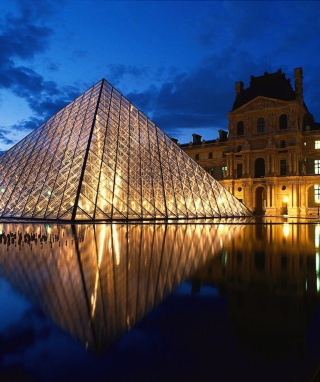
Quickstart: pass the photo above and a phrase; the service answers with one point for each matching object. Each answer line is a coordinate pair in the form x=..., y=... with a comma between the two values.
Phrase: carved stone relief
x=261, y=104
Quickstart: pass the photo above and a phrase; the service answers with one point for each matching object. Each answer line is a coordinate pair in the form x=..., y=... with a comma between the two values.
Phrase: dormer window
x=260, y=125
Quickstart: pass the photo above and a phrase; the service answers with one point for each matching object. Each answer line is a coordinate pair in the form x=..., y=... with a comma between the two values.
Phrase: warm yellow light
x=286, y=229
x=317, y=236
x=286, y=199
x=97, y=278
x=116, y=245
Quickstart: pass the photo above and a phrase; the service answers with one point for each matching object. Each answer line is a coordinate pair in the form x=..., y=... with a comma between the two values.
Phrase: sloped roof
x=274, y=85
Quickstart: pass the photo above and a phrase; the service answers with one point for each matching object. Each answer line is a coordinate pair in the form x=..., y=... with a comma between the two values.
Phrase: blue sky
x=177, y=61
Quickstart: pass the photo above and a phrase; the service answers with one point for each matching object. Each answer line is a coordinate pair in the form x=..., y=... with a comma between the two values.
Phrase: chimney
x=298, y=84
x=223, y=136
x=196, y=139
x=239, y=88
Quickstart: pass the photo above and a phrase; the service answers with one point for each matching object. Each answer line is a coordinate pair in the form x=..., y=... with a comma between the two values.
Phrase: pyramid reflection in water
x=100, y=158
x=97, y=282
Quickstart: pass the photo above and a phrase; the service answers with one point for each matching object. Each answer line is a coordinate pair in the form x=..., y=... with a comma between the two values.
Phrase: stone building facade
x=270, y=156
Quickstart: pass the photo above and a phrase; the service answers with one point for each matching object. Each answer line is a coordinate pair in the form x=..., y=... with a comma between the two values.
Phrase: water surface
x=223, y=301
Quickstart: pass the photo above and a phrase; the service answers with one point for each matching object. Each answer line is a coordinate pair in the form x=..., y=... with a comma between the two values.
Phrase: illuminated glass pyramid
x=100, y=158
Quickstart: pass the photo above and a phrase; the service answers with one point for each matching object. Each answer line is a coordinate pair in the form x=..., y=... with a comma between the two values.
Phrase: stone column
x=268, y=167
x=267, y=195
x=250, y=198
x=272, y=164
x=228, y=167
x=294, y=163
x=289, y=163
x=244, y=170
x=294, y=195
x=303, y=197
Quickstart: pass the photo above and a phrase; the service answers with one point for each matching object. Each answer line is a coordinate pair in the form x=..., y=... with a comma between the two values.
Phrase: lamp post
x=286, y=200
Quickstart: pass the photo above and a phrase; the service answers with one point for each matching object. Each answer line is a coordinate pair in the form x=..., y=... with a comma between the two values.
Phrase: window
x=210, y=156
x=239, y=170
x=283, y=122
x=240, y=128
x=260, y=125
x=259, y=169
x=197, y=157
x=316, y=193
x=317, y=166
x=283, y=167
x=224, y=171
x=317, y=144
x=282, y=143
x=239, y=148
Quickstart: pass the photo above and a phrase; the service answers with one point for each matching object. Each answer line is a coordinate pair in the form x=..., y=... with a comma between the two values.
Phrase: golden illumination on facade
x=269, y=150
x=100, y=158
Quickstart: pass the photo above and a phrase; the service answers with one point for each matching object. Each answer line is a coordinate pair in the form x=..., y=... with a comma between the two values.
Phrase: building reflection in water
x=98, y=281
x=270, y=273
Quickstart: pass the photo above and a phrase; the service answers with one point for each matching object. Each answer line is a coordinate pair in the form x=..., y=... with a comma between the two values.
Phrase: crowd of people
x=20, y=238
x=14, y=238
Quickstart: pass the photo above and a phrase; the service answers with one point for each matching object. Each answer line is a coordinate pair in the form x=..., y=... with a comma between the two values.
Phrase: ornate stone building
x=270, y=157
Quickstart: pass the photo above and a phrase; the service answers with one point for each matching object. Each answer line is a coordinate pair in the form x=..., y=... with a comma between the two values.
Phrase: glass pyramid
x=100, y=158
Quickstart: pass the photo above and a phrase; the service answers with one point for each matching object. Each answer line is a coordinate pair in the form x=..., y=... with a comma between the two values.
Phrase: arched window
x=240, y=128
x=260, y=125
x=283, y=122
x=259, y=168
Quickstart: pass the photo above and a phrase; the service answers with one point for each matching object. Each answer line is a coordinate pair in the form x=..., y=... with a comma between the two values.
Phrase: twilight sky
x=177, y=61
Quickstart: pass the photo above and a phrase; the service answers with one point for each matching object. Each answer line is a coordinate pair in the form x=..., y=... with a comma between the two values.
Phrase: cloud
x=234, y=46
x=118, y=71
x=197, y=100
x=44, y=98
x=17, y=338
x=4, y=138
x=22, y=38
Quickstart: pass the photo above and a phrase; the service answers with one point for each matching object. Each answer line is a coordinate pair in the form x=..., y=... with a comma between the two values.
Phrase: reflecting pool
x=223, y=301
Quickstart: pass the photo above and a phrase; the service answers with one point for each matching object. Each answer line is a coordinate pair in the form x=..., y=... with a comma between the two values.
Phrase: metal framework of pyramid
x=100, y=158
